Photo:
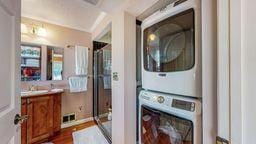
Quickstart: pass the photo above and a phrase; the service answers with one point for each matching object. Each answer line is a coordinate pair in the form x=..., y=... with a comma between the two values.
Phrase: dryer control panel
x=185, y=105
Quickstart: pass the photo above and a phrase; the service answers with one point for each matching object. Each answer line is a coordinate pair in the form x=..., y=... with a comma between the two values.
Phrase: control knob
x=160, y=99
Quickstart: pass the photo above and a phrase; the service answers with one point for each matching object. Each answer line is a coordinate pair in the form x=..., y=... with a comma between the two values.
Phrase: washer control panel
x=170, y=101
x=153, y=98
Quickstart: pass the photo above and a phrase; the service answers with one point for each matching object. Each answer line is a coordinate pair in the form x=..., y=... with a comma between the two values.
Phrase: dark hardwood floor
x=65, y=136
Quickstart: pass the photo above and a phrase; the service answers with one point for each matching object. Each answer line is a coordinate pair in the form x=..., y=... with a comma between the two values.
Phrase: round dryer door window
x=166, y=45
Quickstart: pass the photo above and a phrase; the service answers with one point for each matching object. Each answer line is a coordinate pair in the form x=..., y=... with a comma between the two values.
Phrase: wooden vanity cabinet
x=44, y=118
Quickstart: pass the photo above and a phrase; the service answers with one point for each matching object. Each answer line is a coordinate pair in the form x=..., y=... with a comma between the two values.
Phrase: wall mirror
x=30, y=62
x=41, y=62
x=54, y=63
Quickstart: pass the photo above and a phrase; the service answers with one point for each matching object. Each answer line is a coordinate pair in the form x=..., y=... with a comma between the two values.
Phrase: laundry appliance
x=169, y=119
x=171, y=49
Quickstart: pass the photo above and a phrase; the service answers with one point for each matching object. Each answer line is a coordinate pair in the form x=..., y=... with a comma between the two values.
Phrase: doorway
x=102, y=97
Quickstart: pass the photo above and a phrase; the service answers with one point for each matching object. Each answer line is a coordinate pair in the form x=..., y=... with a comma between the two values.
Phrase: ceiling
x=79, y=14
x=157, y=6
x=76, y=14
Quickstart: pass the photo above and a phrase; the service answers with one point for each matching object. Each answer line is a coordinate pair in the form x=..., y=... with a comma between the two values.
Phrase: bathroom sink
x=29, y=93
x=40, y=92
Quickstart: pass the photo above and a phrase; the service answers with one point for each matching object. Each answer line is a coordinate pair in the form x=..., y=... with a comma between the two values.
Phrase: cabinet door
x=40, y=122
x=24, y=124
x=57, y=113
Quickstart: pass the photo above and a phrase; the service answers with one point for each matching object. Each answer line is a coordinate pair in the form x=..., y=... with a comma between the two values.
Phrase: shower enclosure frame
x=96, y=99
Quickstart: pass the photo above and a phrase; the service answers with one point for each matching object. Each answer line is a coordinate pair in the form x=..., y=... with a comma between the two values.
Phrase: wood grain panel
x=40, y=122
x=57, y=113
x=24, y=124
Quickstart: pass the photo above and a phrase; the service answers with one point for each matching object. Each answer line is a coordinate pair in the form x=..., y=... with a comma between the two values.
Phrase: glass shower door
x=102, y=90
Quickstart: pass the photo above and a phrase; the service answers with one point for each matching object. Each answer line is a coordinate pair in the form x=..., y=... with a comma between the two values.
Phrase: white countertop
x=40, y=92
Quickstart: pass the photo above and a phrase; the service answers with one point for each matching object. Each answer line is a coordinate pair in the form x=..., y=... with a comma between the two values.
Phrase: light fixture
x=33, y=29
x=41, y=32
x=23, y=28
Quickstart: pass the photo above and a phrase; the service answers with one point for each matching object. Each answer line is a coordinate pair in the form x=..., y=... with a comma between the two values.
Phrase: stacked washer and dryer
x=170, y=104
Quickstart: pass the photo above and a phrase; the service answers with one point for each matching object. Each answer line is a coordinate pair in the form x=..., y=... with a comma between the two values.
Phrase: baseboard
x=77, y=122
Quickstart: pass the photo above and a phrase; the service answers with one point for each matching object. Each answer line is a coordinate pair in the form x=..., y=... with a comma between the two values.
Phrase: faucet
x=32, y=88
x=52, y=86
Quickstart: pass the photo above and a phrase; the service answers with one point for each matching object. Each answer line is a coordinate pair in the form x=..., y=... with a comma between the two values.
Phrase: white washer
x=171, y=49
x=165, y=118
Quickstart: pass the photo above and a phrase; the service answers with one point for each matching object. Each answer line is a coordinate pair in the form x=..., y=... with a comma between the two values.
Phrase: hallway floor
x=65, y=136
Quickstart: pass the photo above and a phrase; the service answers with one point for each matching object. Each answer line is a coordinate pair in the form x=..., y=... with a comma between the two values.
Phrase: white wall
x=118, y=124
x=130, y=78
x=249, y=71
x=124, y=63
x=124, y=89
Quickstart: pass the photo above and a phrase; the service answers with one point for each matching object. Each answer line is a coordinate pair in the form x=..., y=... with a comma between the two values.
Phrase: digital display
x=189, y=106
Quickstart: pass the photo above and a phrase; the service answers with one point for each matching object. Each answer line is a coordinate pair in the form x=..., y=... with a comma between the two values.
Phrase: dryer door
x=169, y=44
x=162, y=128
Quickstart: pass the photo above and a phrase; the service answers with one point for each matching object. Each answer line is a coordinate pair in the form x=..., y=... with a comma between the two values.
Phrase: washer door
x=161, y=128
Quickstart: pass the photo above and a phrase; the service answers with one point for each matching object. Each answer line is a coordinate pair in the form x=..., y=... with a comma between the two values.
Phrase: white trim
x=223, y=78
x=77, y=122
x=230, y=107
x=230, y=102
x=105, y=30
x=236, y=71
x=101, y=16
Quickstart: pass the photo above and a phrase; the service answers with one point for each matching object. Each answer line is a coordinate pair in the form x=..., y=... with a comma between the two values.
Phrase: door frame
x=229, y=92
x=96, y=94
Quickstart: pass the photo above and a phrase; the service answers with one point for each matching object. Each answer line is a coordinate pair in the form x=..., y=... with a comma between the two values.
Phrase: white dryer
x=171, y=49
x=165, y=119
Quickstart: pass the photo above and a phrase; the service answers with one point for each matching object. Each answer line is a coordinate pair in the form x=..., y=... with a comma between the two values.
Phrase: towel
x=107, y=82
x=77, y=84
x=107, y=61
x=107, y=67
x=81, y=55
